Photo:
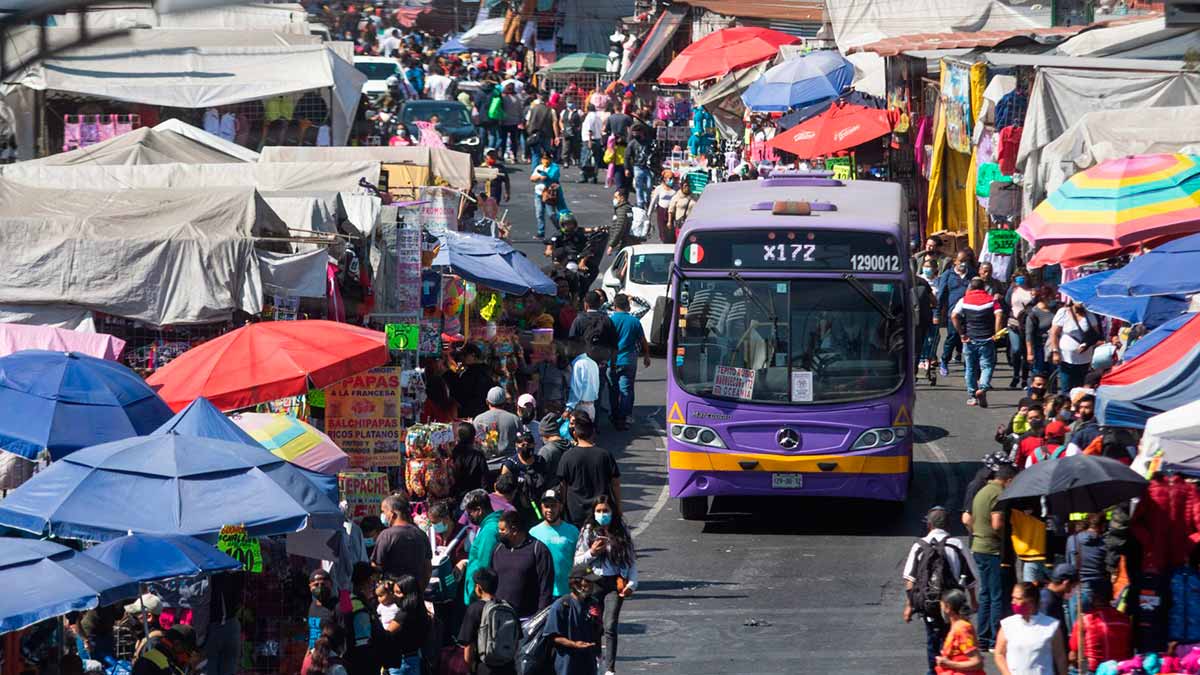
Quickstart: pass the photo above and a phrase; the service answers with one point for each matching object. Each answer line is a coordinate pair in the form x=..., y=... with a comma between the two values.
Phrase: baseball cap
x=526, y=399
x=549, y=424
x=149, y=602
x=317, y=575
x=1057, y=429
x=584, y=572
x=182, y=636
x=495, y=396
x=550, y=496
x=1062, y=572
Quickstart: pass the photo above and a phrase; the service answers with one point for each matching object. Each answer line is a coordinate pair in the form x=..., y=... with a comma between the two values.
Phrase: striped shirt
x=978, y=310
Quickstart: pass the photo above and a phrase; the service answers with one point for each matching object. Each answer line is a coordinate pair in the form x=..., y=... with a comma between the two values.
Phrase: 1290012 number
x=875, y=263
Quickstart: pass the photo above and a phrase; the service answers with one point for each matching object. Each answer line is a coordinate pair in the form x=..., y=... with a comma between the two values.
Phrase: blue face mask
x=604, y=519
x=1020, y=281
x=440, y=528
x=383, y=519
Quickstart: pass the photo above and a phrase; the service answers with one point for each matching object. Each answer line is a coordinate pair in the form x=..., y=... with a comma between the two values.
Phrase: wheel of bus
x=693, y=508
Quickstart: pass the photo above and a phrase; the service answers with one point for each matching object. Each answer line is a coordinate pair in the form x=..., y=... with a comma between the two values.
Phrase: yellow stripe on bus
x=720, y=461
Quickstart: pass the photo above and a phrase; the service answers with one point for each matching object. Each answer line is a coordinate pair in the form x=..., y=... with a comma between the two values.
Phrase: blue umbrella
x=63, y=401
x=151, y=557
x=168, y=484
x=1154, y=337
x=1151, y=311
x=812, y=78
x=1170, y=269
x=452, y=46
x=201, y=418
x=42, y=579
x=492, y=263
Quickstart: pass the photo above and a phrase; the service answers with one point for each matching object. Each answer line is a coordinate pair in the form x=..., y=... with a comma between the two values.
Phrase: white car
x=378, y=70
x=643, y=272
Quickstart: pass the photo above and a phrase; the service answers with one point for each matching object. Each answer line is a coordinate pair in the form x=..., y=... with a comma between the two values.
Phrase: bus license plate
x=787, y=481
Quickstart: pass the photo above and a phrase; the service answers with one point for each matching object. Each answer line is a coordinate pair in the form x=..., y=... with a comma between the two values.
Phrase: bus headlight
x=879, y=437
x=692, y=433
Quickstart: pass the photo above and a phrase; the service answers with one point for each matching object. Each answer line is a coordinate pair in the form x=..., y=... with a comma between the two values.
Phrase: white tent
x=450, y=165
x=173, y=141
x=485, y=35
x=1178, y=424
x=1149, y=39
x=283, y=17
x=192, y=69
x=276, y=176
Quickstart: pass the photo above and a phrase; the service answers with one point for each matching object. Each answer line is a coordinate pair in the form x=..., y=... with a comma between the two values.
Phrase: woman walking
x=660, y=201
x=960, y=650
x=1029, y=643
x=607, y=547
x=1039, y=317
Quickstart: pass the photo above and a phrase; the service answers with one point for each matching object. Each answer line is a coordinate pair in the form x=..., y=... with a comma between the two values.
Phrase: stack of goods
x=428, y=472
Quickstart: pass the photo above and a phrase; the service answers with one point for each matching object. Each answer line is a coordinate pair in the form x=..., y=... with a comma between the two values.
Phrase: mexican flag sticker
x=694, y=253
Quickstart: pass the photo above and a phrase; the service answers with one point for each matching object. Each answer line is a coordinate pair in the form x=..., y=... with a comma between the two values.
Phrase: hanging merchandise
x=428, y=469
x=956, y=102
x=489, y=306
x=1006, y=156
x=988, y=173
x=454, y=294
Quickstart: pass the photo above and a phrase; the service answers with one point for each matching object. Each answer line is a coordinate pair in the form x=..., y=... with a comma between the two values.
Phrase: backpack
x=499, y=634
x=495, y=109
x=933, y=577
x=1041, y=454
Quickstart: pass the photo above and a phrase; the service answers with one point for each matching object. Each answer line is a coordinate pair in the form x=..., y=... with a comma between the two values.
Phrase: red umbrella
x=841, y=127
x=724, y=51
x=1074, y=254
x=265, y=361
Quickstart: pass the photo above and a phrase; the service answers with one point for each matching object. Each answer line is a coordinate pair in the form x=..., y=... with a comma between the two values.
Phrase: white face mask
x=616, y=203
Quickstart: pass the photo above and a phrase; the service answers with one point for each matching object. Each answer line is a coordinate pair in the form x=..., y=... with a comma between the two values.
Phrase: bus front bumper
x=704, y=474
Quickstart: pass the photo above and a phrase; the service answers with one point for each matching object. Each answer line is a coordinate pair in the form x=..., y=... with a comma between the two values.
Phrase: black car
x=454, y=123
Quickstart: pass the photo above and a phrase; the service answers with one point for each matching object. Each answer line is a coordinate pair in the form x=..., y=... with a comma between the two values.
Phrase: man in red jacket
x=977, y=318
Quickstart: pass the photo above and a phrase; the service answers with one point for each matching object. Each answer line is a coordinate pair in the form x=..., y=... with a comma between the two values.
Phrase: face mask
x=440, y=528
x=1066, y=415
x=616, y=203
x=1020, y=281
x=1018, y=608
x=960, y=268
x=927, y=272
x=383, y=519
x=1038, y=391
x=604, y=519
x=524, y=451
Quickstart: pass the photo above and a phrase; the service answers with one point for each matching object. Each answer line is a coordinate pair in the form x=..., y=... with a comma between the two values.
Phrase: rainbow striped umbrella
x=1121, y=202
x=295, y=441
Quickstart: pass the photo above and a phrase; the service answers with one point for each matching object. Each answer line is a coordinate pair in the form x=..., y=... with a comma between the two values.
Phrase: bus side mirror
x=664, y=309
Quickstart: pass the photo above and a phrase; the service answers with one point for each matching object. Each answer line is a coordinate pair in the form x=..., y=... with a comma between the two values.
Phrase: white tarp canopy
x=174, y=256
x=160, y=144
x=858, y=22
x=302, y=275
x=285, y=17
x=1060, y=96
x=316, y=211
x=1149, y=39
x=192, y=69
x=1177, y=424
x=450, y=165
x=289, y=176
x=1103, y=135
x=486, y=35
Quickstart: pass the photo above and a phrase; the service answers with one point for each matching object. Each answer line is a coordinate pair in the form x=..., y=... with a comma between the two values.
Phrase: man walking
x=401, y=548
x=541, y=127
x=936, y=563
x=622, y=223
x=631, y=340
x=505, y=424
x=587, y=471
x=977, y=318
x=987, y=524
x=524, y=566
x=560, y=538
x=951, y=286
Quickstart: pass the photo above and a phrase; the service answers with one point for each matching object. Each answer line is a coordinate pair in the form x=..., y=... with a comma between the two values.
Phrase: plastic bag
x=641, y=223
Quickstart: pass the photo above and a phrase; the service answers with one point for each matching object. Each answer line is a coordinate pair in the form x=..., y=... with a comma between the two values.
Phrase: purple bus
x=790, y=362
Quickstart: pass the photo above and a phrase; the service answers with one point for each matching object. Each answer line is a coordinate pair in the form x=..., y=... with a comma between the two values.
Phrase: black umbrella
x=1079, y=484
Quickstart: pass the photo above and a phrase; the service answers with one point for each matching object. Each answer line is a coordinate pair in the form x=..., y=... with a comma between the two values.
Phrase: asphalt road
x=766, y=585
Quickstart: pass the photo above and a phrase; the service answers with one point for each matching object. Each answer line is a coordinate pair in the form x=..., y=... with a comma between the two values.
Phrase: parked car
x=454, y=124
x=643, y=272
x=378, y=70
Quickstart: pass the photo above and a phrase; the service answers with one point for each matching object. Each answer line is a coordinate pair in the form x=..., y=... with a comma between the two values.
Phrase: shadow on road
x=790, y=516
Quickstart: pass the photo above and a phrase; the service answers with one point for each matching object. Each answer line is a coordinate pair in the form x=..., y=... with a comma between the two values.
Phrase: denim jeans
x=1070, y=375
x=641, y=185
x=621, y=379
x=935, y=635
x=1038, y=365
x=410, y=665
x=544, y=213
x=929, y=348
x=951, y=340
x=1016, y=354
x=979, y=357
x=991, y=598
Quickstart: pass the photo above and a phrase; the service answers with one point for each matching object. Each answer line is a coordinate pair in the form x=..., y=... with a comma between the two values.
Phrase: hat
x=549, y=424
x=149, y=602
x=1057, y=429
x=495, y=396
x=583, y=572
x=1062, y=572
x=318, y=574
x=182, y=636
x=995, y=460
x=526, y=399
x=550, y=496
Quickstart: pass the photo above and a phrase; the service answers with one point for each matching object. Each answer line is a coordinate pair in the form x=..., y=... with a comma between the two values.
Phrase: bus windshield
x=792, y=341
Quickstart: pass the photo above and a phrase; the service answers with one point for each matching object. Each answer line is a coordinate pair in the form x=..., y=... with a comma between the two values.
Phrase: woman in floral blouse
x=960, y=651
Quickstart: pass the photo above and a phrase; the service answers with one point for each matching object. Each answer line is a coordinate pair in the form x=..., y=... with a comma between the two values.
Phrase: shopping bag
x=641, y=223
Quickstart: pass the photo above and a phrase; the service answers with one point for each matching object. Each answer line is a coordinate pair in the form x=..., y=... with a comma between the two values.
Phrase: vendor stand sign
x=363, y=491
x=234, y=542
x=956, y=101
x=439, y=213
x=362, y=415
x=1003, y=242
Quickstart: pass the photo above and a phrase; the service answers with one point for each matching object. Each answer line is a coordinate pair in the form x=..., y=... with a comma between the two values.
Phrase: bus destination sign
x=814, y=250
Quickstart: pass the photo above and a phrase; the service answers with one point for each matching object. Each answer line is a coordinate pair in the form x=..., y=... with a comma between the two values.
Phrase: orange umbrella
x=724, y=51
x=841, y=127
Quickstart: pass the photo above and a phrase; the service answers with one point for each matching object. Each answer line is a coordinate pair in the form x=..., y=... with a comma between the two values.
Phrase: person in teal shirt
x=479, y=511
x=560, y=537
x=631, y=340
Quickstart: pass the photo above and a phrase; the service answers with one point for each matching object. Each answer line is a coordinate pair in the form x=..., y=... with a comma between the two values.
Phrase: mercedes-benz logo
x=787, y=438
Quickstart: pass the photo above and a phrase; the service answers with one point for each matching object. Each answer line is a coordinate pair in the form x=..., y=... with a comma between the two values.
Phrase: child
x=385, y=593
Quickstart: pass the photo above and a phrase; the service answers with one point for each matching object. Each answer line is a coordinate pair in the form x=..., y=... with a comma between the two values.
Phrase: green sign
x=1003, y=242
x=235, y=543
x=316, y=398
x=404, y=337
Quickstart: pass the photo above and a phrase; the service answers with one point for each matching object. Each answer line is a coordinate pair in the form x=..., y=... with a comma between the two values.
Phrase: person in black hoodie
x=470, y=385
x=470, y=465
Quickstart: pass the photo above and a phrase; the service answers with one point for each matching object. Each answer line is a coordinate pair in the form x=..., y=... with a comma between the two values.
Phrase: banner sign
x=363, y=491
x=362, y=416
x=1003, y=242
x=235, y=543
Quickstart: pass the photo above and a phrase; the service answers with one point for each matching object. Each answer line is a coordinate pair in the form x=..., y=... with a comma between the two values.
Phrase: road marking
x=663, y=496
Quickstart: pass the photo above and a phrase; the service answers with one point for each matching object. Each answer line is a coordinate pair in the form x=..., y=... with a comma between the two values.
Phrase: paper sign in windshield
x=802, y=386
x=734, y=382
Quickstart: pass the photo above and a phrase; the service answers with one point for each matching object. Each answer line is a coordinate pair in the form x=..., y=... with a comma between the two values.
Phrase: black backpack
x=933, y=577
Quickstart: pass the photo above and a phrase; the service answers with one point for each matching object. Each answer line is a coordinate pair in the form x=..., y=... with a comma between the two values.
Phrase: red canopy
x=724, y=51
x=1170, y=352
x=1078, y=253
x=265, y=361
x=841, y=127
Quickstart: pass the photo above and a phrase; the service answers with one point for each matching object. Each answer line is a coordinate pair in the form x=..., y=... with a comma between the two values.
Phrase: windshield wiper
x=766, y=309
x=869, y=297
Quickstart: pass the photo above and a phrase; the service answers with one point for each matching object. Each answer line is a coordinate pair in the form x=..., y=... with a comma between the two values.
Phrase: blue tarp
x=1170, y=269
x=800, y=114
x=813, y=78
x=168, y=484
x=452, y=46
x=202, y=419
x=42, y=580
x=1151, y=311
x=151, y=557
x=63, y=401
x=1154, y=337
x=492, y=263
